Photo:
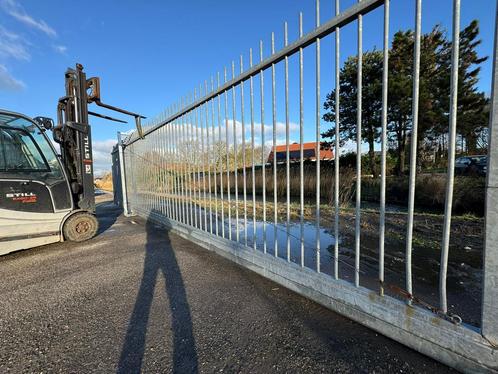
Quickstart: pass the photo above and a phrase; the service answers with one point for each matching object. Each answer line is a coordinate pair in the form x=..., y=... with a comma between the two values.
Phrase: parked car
x=471, y=165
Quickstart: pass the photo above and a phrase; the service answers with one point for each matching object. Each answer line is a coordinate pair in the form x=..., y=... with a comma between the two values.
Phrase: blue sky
x=148, y=54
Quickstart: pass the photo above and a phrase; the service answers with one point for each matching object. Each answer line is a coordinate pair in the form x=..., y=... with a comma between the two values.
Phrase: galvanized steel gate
x=179, y=172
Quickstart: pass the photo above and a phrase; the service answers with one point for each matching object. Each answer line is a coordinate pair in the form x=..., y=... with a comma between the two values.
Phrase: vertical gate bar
x=242, y=114
x=193, y=149
x=489, y=316
x=263, y=146
x=455, y=49
x=220, y=156
x=337, y=141
x=413, y=146
x=186, y=138
x=181, y=151
x=274, y=119
x=287, y=135
x=359, y=109
x=146, y=198
x=152, y=163
x=144, y=174
x=152, y=171
x=227, y=147
x=146, y=180
x=182, y=162
x=385, y=77
x=190, y=147
x=317, y=152
x=207, y=157
x=157, y=176
x=213, y=154
x=154, y=168
x=203, y=165
x=177, y=168
x=198, y=166
x=170, y=179
x=165, y=171
x=158, y=172
x=186, y=167
x=173, y=169
x=301, y=136
x=200, y=162
x=168, y=170
x=235, y=155
x=149, y=173
x=253, y=170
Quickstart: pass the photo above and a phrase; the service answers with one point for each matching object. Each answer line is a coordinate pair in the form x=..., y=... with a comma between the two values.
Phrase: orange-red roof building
x=309, y=152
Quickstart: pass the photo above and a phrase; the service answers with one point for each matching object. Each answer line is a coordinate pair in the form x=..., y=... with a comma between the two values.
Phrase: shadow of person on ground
x=160, y=258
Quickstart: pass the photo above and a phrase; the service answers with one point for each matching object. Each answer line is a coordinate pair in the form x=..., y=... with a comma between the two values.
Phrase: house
x=309, y=152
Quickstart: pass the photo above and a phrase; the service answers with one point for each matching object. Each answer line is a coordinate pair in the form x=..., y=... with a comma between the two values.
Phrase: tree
x=371, y=101
x=473, y=108
x=433, y=89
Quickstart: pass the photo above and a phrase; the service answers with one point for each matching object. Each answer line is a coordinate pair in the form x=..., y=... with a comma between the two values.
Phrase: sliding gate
x=209, y=169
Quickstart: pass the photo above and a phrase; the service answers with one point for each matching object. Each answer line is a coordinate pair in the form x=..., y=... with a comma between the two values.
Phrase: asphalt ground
x=139, y=299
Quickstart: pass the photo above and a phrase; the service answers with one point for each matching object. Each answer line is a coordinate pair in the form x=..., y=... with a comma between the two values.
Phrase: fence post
x=490, y=286
x=122, y=172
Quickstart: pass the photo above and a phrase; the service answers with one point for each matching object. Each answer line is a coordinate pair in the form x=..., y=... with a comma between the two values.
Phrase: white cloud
x=268, y=130
x=8, y=82
x=13, y=45
x=14, y=9
x=62, y=49
x=102, y=155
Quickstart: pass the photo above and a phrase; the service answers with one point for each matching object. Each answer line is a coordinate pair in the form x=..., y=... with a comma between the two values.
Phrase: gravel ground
x=137, y=298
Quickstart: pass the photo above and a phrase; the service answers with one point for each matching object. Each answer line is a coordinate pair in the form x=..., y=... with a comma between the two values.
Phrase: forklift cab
x=45, y=198
x=35, y=197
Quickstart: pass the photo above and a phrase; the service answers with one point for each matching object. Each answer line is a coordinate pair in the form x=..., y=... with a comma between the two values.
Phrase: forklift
x=46, y=197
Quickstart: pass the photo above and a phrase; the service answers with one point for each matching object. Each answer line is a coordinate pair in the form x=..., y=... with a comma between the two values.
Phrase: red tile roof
x=325, y=154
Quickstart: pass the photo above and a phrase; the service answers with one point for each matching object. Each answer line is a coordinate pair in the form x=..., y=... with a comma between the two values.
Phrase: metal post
x=385, y=75
x=301, y=146
x=124, y=189
x=317, y=152
x=213, y=158
x=337, y=142
x=274, y=117
x=263, y=160
x=244, y=174
x=251, y=83
x=235, y=155
x=207, y=158
x=490, y=287
x=218, y=154
x=413, y=150
x=359, y=109
x=287, y=139
x=227, y=147
x=451, y=156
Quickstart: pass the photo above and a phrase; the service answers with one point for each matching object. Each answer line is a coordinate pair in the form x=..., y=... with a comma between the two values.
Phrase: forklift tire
x=80, y=227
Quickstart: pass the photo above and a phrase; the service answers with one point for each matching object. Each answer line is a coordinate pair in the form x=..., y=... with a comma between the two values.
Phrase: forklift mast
x=73, y=133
